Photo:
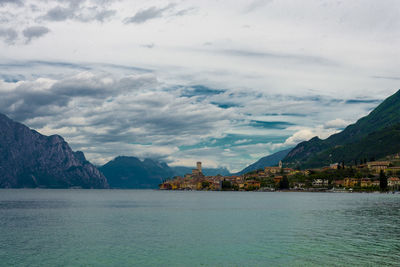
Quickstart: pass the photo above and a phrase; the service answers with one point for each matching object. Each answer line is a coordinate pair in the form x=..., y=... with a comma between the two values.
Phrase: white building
x=320, y=182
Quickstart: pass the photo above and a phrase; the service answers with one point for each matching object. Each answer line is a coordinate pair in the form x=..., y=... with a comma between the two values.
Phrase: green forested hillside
x=370, y=131
x=375, y=145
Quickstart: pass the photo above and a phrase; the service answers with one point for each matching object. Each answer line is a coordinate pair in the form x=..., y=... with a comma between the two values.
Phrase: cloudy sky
x=224, y=82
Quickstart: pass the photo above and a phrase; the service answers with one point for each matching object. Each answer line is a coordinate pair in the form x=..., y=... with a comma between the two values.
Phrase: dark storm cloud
x=100, y=86
x=160, y=119
x=35, y=32
x=8, y=35
x=25, y=103
x=31, y=99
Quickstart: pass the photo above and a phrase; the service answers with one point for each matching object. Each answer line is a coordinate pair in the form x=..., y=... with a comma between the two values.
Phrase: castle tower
x=280, y=164
x=199, y=166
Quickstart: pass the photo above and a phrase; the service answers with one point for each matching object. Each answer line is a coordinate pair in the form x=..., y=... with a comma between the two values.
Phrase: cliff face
x=29, y=159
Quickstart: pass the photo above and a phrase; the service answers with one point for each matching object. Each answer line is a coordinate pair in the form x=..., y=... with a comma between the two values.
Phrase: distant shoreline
x=242, y=191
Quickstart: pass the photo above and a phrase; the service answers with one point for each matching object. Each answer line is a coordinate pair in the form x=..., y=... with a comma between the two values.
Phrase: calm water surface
x=159, y=228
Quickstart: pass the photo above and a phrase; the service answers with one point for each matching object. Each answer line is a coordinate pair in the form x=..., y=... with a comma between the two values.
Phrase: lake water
x=171, y=228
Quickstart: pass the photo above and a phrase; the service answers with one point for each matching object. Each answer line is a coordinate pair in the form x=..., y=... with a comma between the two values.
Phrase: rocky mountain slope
x=30, y=159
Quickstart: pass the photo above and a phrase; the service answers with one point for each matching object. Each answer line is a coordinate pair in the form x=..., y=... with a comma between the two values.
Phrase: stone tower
x=280, y=164
x=199, y=166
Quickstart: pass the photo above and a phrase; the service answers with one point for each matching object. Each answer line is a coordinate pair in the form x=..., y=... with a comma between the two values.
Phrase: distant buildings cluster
x=361, y=177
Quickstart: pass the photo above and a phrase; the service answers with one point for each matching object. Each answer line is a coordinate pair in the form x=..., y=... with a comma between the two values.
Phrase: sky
x=222, y=82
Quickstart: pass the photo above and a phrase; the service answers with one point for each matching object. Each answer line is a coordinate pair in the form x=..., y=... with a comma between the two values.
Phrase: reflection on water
x=158, y=228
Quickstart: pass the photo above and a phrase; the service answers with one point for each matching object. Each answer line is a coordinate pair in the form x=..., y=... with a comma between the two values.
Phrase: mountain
x=267, y=161
x=181, y=171
x=355, y=141
x=131, y=172
x=375, y=145
x=30, y=159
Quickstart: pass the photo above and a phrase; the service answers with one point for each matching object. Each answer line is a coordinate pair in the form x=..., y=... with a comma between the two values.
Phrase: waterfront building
x=272, y=170
x=252, y=185
x=320, y=182
x=375, y=183
x=351, y=182
x=365, y=182
x=299, y=185
x=338, y=183
x=393, y=182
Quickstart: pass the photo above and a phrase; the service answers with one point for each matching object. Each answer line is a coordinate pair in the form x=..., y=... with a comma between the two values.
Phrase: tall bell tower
x=199, y=166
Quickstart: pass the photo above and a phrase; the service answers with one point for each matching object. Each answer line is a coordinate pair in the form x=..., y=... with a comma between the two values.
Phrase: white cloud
x=336, y=123
x=241, y=141
x=305, y=134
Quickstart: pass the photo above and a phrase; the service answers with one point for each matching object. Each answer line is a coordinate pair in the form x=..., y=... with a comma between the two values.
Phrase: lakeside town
x=364, y=176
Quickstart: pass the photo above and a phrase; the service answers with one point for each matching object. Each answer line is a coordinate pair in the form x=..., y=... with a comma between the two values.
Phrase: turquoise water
x=170, y=228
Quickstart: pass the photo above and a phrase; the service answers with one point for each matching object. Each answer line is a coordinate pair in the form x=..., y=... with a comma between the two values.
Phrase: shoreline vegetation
x=364, y=176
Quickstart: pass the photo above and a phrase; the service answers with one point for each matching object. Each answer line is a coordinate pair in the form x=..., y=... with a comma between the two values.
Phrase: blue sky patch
x=200, y=90
x=271, y=124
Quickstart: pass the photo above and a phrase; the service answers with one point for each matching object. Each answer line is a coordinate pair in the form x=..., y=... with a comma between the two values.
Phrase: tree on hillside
x=284, y=183
x=205, y=184
x=383, y=183
x=226, y=185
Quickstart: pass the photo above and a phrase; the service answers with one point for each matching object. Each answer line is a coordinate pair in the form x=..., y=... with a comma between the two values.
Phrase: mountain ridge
x=385, y=115
x=30, y=159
